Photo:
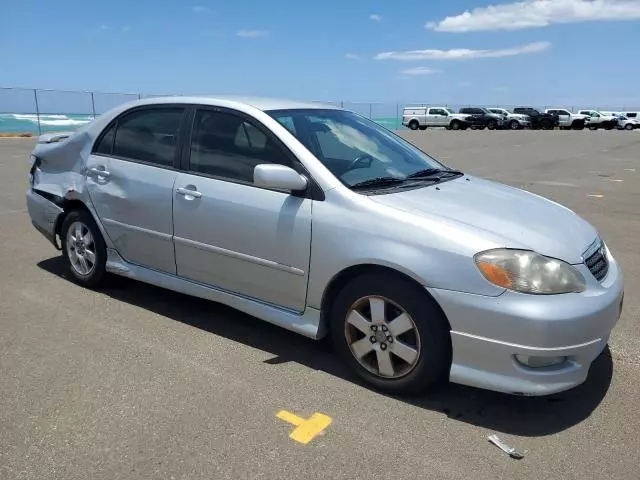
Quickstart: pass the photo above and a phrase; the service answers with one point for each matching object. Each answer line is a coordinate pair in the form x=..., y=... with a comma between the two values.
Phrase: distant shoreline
x=16, y=135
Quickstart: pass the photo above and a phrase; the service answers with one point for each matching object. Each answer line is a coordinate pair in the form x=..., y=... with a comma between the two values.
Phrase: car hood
x=508, y=216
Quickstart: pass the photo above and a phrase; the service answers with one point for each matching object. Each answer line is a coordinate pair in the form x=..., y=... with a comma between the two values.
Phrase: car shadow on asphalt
x=524, y=416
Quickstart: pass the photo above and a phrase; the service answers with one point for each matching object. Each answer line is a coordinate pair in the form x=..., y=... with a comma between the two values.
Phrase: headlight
x=528, y=272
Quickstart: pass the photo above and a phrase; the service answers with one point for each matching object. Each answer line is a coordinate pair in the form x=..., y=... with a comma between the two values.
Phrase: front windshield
x=354, y=148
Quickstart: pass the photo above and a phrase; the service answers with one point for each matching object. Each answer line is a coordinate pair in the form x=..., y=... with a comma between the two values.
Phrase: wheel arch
x=348, y=274
x=71, y=203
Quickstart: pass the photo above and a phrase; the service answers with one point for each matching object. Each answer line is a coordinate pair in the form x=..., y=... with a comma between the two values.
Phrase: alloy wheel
x=81, y=248
x=382, y=337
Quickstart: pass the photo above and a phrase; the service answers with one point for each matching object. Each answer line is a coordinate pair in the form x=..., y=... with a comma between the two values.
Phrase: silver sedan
x=320, y=221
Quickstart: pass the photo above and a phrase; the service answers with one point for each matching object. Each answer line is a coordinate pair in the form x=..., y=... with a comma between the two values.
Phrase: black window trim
x=159, y=106
x=313, y=190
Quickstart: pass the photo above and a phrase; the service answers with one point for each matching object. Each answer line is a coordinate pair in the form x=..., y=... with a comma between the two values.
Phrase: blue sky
x=534, y=51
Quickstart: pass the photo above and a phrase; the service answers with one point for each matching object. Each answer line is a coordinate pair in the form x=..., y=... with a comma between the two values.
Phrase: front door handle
x=101, y=172
x=188, y=192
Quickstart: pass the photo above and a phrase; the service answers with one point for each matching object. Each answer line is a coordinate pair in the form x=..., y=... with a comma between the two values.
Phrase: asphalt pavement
x=138, y=382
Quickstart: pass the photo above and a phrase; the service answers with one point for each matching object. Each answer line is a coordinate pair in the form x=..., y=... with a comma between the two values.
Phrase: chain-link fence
x=35, y=111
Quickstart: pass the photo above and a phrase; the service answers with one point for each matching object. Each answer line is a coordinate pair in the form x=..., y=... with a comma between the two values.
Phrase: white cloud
x=252, y=33
x=375, y=17
x=463, y=53
x=104, y=28
x=352, y=56
x=200, y=9
x=538, y=13
x=126, y=29
x=419, y=71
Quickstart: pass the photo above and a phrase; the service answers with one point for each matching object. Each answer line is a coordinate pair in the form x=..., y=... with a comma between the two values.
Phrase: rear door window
x=149, y=135
x=105, y=143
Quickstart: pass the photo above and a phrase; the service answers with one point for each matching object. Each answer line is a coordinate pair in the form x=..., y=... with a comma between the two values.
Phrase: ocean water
x=26, y=122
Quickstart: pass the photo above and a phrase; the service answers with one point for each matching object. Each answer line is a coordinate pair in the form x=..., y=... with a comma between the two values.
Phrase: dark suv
x=481, y=118
x=545, y=121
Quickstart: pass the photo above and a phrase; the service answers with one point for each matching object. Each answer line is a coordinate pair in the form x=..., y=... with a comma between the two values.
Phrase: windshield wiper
x=433, y=172
x=378, y=182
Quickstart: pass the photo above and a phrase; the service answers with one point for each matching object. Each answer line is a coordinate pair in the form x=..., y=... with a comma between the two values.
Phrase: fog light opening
x=533, y=361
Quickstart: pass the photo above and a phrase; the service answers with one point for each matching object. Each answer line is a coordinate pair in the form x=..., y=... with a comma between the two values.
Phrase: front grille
x=598, y=264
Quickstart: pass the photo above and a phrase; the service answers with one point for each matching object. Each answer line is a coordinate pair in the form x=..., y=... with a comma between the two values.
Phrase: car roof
x=261, y=103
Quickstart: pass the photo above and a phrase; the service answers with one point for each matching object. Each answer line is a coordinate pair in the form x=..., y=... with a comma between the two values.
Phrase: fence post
x=397, y=116
x=341, y=104
x=139, y=96
x=93, y=106
x=370, y=107
x=35, y=97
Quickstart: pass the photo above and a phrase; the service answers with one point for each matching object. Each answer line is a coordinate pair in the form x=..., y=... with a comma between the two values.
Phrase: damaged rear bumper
x=44, y=215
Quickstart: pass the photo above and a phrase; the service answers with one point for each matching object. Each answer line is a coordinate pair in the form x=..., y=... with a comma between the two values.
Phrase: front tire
x=628, y=126
x=83, y=248
x=514, y=125
x=546, y=125
x=391, y=333
x=492, y=124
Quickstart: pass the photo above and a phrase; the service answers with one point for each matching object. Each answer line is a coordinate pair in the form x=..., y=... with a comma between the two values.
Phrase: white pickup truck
x=513, y=121
x=596, y=120
x=567, y=119
x=422, y=117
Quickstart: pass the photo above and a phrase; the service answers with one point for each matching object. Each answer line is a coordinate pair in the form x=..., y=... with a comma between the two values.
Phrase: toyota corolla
x=320, y=221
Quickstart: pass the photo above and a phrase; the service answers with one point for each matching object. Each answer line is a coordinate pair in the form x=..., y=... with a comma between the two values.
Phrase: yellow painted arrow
x=306, y=430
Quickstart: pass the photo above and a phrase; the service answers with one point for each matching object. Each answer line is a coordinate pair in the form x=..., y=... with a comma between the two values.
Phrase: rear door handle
x=101, y=172
x=187, y=192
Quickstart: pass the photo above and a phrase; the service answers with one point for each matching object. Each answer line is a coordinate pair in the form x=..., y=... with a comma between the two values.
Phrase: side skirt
x=308, y=323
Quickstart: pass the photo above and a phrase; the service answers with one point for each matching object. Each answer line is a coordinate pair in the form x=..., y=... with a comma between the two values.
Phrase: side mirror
x=278, y=177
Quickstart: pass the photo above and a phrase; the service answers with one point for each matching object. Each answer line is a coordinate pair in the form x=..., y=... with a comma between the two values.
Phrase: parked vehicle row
x=421, y=118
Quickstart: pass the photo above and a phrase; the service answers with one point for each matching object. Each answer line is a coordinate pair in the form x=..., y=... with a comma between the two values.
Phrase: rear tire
x=455, y=125
x=423, y=127
x=83, y=248
x=408, y=356
x=593, y=127
x=577, y=126
x=546, y=125
x=414, y=125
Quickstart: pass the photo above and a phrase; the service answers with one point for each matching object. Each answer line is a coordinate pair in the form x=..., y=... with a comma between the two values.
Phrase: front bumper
x=487, y=333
